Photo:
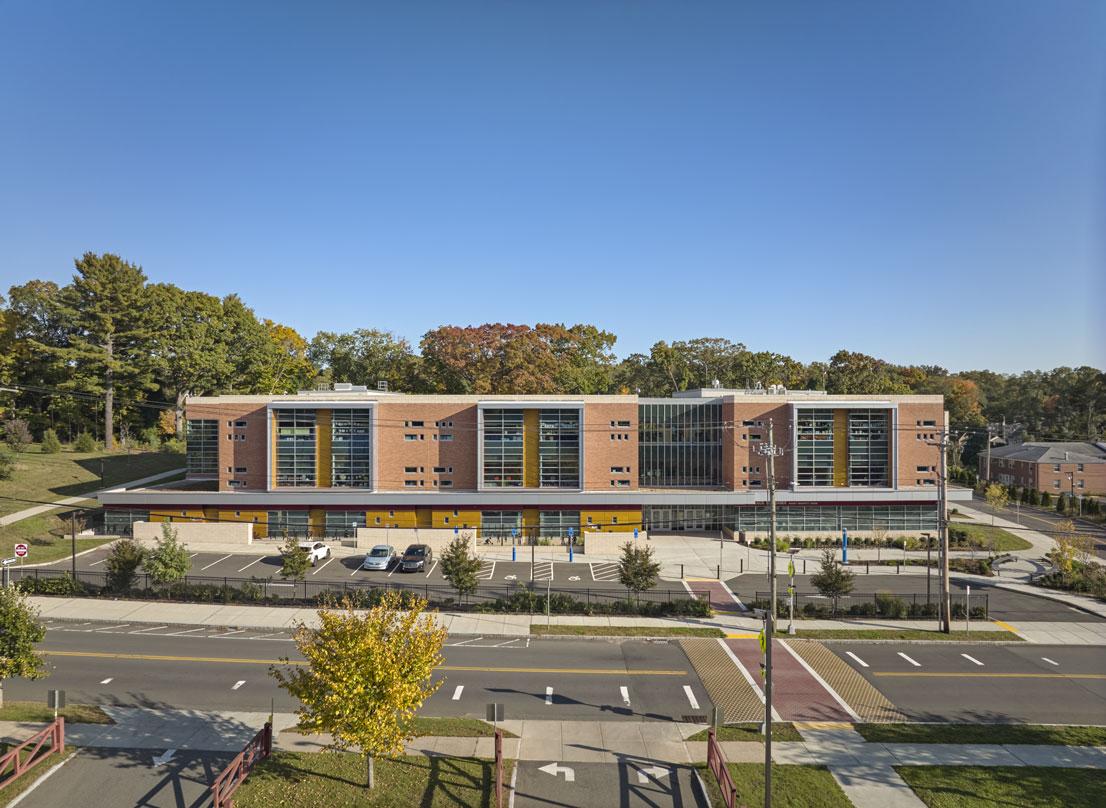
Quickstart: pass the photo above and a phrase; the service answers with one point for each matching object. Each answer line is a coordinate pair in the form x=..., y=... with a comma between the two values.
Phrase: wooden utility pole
x=770, y=451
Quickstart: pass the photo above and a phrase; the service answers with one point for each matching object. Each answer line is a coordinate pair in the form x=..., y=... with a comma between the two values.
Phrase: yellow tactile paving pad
x=728, y=688
x=858, y=693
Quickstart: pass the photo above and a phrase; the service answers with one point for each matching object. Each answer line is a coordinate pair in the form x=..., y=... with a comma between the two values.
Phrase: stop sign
x=21, y=550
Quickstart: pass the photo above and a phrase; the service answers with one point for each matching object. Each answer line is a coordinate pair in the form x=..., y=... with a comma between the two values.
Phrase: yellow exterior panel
x=316, y=521
x=613, y=521
x=530, y=517
x=406, y=517
x=259, y=518
x=530, y=474
x=463, y=519
x=424, y=517
x=170, y=515
x=322, y=449
x=840, y=448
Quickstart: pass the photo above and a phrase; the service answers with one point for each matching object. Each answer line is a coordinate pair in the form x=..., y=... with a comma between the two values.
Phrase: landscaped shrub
x=84, y=443
x=50, y=443
x=61, y=585
x=173, y=446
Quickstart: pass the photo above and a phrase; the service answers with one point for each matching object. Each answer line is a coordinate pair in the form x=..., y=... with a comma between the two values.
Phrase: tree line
x=105, y=353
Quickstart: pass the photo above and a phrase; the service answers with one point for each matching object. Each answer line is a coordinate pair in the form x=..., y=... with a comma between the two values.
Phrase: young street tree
x=833, y=580
x=460, y=566
x=295, y=560
x=997, y=497
x=636, y=569
x=365, y=675
x=169, y=561
x=122, y=564
x=19, y=632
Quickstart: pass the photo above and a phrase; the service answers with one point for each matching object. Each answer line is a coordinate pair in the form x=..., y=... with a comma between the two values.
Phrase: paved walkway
x=26, y=513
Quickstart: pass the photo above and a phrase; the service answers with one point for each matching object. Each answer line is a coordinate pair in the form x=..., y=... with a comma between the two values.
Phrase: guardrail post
x=59, y=740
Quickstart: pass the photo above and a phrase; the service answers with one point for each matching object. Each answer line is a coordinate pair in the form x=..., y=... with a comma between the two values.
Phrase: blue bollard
x=570, y=552
x=513, y=551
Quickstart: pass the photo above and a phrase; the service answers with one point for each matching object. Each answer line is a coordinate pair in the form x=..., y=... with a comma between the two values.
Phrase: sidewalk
x=27, y=513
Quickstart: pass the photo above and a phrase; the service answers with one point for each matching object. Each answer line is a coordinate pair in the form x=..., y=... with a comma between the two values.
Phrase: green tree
x=7, y=463
x=50, y=442
x=637, y=569
x=1046, y=499
x=365, y=356
x=832, y=580
x=460, y=566
x=122, y=564
x=168, y=561
x=859, y=374
x=1062, y=504
x=20, y=631
x=84, y=443
x=997, y=497
x=365, y=675
x=295, y=560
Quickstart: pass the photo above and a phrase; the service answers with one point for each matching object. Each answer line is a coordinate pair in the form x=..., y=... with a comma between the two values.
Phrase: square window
x=378, y=520
x=447, y=483
x=410, y=469
x=410, y=436
x=447, y=436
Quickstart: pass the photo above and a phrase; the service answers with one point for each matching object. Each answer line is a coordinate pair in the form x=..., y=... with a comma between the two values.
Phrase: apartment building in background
x=1076, y=467
x=329, y=461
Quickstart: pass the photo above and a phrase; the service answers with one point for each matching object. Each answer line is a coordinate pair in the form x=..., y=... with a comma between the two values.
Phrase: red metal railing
x=716, y=761
x=499, y=768
x=18, y=760
x=259, y=748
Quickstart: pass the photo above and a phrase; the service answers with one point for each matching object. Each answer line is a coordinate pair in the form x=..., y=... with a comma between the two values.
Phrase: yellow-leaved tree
x=366, y=674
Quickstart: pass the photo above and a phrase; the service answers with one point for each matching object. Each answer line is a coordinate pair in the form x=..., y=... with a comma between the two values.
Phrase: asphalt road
x=626, y=784
x=985, y=683
x=632, y=680
x=1044, y=521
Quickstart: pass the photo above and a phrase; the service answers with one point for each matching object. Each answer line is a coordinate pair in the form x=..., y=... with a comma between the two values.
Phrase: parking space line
x=1049, y=661
x=490, y=571
x=238, y=684
x=107, y=681
x=625, y=691
x=259, y=558
x=94, y=563
x=972, y=659
x=356, y=570
x=463, y=642
x=858, y=659
x=505, y=642
x=193, y=555
x=691, y=697
x=393, y=571
x=212, y=564
x=911, y=661
x=432, y=566
x=186, y=631
x=317, y=570
x=148, y=628
x=236, y=631
x=548, y=696
x=457, y=692
x=111, y=628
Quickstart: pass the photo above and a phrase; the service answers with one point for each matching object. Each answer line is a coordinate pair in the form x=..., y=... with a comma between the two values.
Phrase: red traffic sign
x=21, y=550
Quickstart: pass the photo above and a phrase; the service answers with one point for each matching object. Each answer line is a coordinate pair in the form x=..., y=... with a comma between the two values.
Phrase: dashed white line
x=238, y=684
x=1049, y=661
x=548, y=696
x=255, y=561
x=911, y=661
x=107, y=681
x=625, y=691
x=858, y=659
x=457, y=692
x=972, y=659
x=691, y=697
x=212, y=564
x=319, y=569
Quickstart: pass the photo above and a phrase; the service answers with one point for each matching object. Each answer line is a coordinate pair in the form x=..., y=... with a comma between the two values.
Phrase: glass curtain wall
x=558, y=448
x=503, y=449
x=288, y=523
x=295, y=449
x=202, y=445
x=808, y=518
x=555, y=524
x=343, y=524
x=351, y=448
x=814, y=447
x=869, y=450
x=499, y=524
x=680, y=444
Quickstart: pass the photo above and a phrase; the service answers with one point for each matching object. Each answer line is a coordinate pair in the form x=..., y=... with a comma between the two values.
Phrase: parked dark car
x=416, y=557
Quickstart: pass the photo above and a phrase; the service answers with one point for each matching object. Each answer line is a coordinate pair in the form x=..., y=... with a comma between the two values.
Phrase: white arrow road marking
x=555, y=769
x=238, y=684
x=972, y=659
x=656, y=772
x=548, y=696
x=165, y=757
x=858, y=659
x=911, y=661
x=1049, y=661
x=457, y=692
x=625, y=691
x=691, y=697
x=107, y=681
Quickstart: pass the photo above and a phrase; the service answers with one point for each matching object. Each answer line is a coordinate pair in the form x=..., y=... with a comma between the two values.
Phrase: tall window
x=202, y=442
x=288, y=523
x=351, y=449
x=559, y=448
x=814, y=447
x=295, y=449
x=499, y=524
x=555, y=524
x=503, y=448
x=868, y=448
x=680, y=444
x=341, y=524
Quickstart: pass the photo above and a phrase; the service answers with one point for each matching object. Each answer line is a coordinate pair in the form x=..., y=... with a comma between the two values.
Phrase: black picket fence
x=219, y=589
x=895, y=606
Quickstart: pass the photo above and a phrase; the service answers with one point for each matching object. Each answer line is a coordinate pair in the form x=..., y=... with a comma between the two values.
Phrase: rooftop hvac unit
x=342, y=387
x=382, y=386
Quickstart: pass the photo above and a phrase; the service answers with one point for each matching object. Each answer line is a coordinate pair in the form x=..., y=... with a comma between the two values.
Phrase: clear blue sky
x=921, y=181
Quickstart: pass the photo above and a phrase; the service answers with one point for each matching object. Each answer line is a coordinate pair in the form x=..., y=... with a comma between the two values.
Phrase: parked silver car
x=380, y=557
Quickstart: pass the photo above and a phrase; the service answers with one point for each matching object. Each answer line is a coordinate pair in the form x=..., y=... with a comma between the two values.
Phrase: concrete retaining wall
x=197, y=533
x=609, y=541
x=400, y=537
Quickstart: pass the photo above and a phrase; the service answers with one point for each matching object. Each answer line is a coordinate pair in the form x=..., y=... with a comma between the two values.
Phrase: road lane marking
x=238, y=684
x=193, y=555
x=1005, y=626
x=1050, y=662
x=858, y=659
x=625, y=691
x=432, y=566
x=548, y=696
x=212, y=564
x=982, y=675
x=972, y=659
x=148, y=628
x=457, y=692
x=825, y=685
x=911, y=661
x=107, y=681
x=94, y=563
x=687, y=586
x=317, y=570
x=185, y=631
x=111, y=628
x=691, y=697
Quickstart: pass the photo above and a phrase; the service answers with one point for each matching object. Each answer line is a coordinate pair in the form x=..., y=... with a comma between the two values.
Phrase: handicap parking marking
x=487, y=570
x=604, y=571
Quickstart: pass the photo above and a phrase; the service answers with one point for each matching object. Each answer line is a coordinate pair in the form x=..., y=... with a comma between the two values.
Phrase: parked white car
x=316, y=550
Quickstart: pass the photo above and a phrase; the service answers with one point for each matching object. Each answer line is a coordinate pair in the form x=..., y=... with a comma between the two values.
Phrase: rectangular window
x=288, y=523
x=748, y=423
x=202, y=445
x=235, y=484
x=869, y=448
x=295, y=462
x=413, y=423
x=922, y=469
x=1055, y=466
x=446, y=436
x=411, y=483
x=623, y=483
x=559, y=448
x=447, y=483
x=239, y=469
x=624, y=424
x=755, y=436
x=555, y=524
x=1078, y=466
x=618, y=469
x=680, y=444
x=343, y=524
x=239, y=424
x=351, y=448
x=410, y=436
x=500, y=524
x=503, y=448
x=814, y=447
x=439, y=470
x=410, y=469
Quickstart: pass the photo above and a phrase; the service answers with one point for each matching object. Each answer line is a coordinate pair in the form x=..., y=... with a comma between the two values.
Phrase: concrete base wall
x=400, y=537
x=610, y=541
x=196, y=533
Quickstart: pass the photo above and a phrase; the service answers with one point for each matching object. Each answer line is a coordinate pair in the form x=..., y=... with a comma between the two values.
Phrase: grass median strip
x=625, y=631
x=984, y=733
x=38, y=713
x=309, y=779
x=781, y=731
x=792, y=786
x=907, y=634
x=447, y=727
x=990, y=786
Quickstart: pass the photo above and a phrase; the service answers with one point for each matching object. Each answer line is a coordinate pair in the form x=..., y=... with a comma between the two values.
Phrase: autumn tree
x=20, y=631
x=365, y=356
x=460, y=566
x=365, y=675
x=997, y=497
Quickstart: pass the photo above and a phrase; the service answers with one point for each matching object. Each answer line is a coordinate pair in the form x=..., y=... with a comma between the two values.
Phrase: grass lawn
x=66, y=474
x=906, y=634
x=983, y=733
x=781, y=731
x=23, y=783
x=792, y=786
x=991, y=538
x=1005, y=786
x=39, y=712
x=336, y=780
x=626, y=631
x=450, y=728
